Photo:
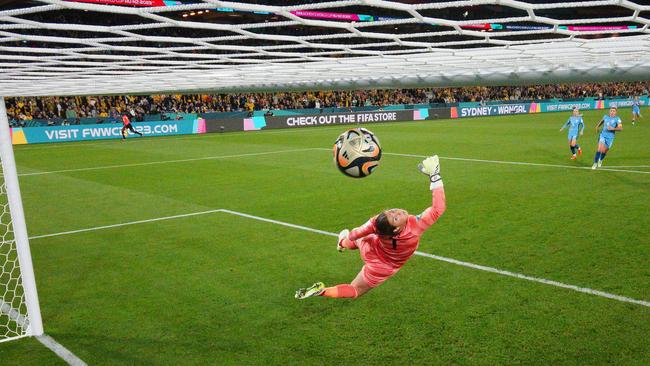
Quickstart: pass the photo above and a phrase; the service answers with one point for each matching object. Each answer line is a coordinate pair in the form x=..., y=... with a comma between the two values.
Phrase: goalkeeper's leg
x=358, y=287
x=373, y=274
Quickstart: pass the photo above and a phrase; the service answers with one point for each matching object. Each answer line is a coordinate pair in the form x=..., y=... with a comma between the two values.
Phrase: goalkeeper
x=385, y=242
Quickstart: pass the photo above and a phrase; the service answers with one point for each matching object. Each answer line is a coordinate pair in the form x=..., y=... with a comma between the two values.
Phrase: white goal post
x=20, y=314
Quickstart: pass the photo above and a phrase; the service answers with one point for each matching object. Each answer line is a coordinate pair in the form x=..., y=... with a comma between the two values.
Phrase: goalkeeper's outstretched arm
x=363, y=230
x=431, y=167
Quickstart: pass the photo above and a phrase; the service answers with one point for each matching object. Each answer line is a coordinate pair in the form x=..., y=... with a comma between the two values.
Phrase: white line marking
x=605, y=168
x=469, y=265
x=610, y=169
x=279, y=222
x=536, y=279
x=49, y=342
x=60, y=351
x=628, y=166
x=163, y=162
x=124, y=224
x=432, y=256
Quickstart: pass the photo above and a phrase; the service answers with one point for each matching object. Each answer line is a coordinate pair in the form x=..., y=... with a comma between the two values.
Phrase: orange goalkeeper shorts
x=375, y=270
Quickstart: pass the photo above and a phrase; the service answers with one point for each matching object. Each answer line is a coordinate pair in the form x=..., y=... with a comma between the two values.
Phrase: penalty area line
x=479, y=267
x=468, y=264
x=628, y=166
x=216, y=157
x=124, y=224
x=605, y=168
x=522, y=163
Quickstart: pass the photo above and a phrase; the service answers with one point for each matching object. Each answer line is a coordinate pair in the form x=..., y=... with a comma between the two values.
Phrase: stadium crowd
x=111, y=107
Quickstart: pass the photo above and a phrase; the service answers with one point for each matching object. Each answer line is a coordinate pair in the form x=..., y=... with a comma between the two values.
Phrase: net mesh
x=55, y=47
x=13, y=321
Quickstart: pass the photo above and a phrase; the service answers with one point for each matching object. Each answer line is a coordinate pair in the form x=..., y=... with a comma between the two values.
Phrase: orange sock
x=340, y=291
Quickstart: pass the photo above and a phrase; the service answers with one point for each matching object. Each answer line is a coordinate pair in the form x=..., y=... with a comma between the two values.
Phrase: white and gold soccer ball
x=357, y=152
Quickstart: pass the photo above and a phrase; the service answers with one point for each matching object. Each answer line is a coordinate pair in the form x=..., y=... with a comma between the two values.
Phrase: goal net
x=12, y=297
x=19, y=309
x=98, y=47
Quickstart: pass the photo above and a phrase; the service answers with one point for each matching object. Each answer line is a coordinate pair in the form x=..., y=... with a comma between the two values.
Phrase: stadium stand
x=30, y=111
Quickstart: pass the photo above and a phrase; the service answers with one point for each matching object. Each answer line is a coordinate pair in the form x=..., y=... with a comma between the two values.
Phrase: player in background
x=611, y=123
x=574, y=123
x=127, y=126
x=385, y=241
x=636, y=110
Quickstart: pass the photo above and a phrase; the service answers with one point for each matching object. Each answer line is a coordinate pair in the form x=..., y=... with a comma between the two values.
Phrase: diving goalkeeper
x=385, y=242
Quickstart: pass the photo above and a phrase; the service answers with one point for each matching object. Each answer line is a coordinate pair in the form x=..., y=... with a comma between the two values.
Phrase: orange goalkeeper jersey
x=396, y=250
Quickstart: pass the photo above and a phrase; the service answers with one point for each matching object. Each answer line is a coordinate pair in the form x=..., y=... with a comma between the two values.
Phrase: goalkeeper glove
x=431, y=167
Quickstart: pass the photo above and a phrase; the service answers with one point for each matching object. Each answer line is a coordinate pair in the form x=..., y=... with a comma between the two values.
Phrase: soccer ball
x=357, y=152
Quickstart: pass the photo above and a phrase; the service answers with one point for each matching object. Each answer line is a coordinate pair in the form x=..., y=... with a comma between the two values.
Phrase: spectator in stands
x=137, y=107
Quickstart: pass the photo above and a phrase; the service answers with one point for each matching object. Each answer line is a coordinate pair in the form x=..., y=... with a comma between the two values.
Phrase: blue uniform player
x=636, y=110
x=611, y=123
x=574, y=123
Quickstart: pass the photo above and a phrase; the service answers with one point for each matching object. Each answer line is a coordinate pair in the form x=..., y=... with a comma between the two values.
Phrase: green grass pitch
x=217, y=289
